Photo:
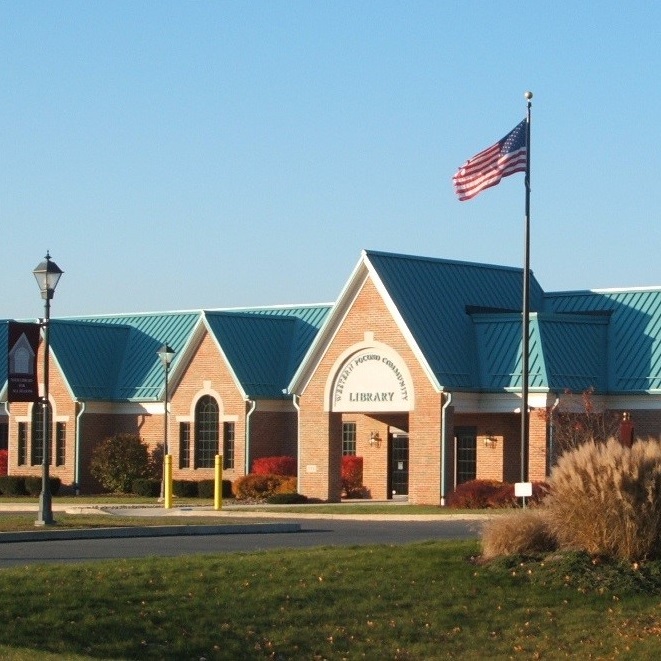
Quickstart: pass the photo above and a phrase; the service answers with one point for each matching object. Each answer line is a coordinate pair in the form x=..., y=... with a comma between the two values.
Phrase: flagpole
x=525, y=339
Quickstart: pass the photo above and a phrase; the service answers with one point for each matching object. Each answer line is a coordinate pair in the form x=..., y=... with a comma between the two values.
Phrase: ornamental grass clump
x=605, y=499
x=524, y=532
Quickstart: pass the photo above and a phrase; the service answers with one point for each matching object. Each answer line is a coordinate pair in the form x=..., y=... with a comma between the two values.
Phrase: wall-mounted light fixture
x=375, y=439
x=490, y=441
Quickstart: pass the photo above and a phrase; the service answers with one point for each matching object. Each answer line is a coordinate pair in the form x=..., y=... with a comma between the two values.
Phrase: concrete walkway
x=227, y=513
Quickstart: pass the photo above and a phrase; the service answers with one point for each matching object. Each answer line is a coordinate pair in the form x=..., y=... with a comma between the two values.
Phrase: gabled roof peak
x=439, y=260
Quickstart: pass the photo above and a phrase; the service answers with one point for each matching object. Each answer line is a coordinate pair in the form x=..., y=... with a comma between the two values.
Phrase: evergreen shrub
x=147, y=487
x=206, y=488
x=185, y=488
x=286, y=499
x=33, y=485
x=119, y=460
x=12, y=485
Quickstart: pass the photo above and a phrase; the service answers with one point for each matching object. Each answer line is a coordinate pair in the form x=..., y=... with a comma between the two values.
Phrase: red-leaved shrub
x=480, y=494
x=4, y=457
x=485, y=494
x=352, y=476
x=274, y=466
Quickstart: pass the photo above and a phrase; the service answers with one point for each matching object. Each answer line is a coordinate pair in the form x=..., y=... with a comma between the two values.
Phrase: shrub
x=227, y=489
x=206, y=488
x=4, y=461
x=155, y=464
x=286, y=499
x=184, y=488
x=482, y=494
x=274, y=466
x=119, y=460
x=605, y=499
x=287, y=485
x=30, y=485
x=257, y=487
x=33, y=485
x=523, y=532
x=352, y=476
x=12, y=485
x=146, y=486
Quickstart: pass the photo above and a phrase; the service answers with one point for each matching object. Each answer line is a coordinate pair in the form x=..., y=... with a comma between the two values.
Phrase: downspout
x=448, y=401
x=551, y=434
x=253, y=405
x=76, y=459
x=298, y=438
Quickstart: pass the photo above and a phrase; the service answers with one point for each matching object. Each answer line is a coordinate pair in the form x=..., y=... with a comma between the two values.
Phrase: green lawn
x=419, y=601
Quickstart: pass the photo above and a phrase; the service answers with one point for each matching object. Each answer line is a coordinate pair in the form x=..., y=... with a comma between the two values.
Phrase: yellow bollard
x=167, y=497
x=218, y=483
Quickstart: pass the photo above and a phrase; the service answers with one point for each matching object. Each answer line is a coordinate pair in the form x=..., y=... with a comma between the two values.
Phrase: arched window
x=206, y=432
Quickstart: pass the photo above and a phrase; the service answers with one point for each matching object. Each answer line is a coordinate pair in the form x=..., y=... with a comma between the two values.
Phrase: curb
x=147, y=531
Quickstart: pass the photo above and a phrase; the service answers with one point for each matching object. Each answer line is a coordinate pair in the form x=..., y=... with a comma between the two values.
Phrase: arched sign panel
x=373, y=380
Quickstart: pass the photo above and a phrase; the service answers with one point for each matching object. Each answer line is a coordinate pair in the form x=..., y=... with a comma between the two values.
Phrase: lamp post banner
x=22, y=347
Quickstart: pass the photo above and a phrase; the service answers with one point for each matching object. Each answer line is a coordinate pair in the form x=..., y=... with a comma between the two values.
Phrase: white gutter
x=448, y=401
x=253, y=406
x=297, y=406
x=76, y=459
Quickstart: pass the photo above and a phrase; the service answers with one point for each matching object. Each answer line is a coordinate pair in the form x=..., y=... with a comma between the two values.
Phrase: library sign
x=372, y=380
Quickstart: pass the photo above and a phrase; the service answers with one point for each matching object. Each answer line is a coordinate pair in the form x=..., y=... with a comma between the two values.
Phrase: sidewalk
x=181, y=528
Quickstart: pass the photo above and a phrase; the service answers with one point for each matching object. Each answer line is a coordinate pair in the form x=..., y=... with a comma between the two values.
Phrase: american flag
x=487, y=168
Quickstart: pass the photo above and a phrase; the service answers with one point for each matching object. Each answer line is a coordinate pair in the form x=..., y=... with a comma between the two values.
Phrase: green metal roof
x=435, y=297
x=264, y=346
x=114, y=357
x=633, y=346
x=566, y=351
x=464, y=317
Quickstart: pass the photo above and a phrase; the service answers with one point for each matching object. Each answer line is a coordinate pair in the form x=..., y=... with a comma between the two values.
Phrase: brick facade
x=267, y=432
x=423, y=427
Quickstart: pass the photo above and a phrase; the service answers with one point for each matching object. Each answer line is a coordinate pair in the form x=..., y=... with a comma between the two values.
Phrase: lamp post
x=166, y=354
x=47, y=274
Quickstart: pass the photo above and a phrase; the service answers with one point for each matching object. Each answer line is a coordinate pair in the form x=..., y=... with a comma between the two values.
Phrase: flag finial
x=528, y=95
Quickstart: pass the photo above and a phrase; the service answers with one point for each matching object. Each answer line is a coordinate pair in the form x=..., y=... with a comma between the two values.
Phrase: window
x=349, y=438
x=206, y=432
x=184, y=445
x=466, y=449
x=22, y=443
x=228, y=445
x=4, y=435
x=60, y=443
x=37, y=454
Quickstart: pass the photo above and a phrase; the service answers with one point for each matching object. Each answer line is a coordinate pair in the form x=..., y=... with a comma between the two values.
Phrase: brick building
x=416, y=368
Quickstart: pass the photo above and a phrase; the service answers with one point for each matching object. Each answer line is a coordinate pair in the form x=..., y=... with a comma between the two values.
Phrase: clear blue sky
x=179, y=155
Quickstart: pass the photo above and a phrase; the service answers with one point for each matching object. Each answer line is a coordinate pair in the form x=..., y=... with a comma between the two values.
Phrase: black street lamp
x=47, y=274
x=166, y=354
